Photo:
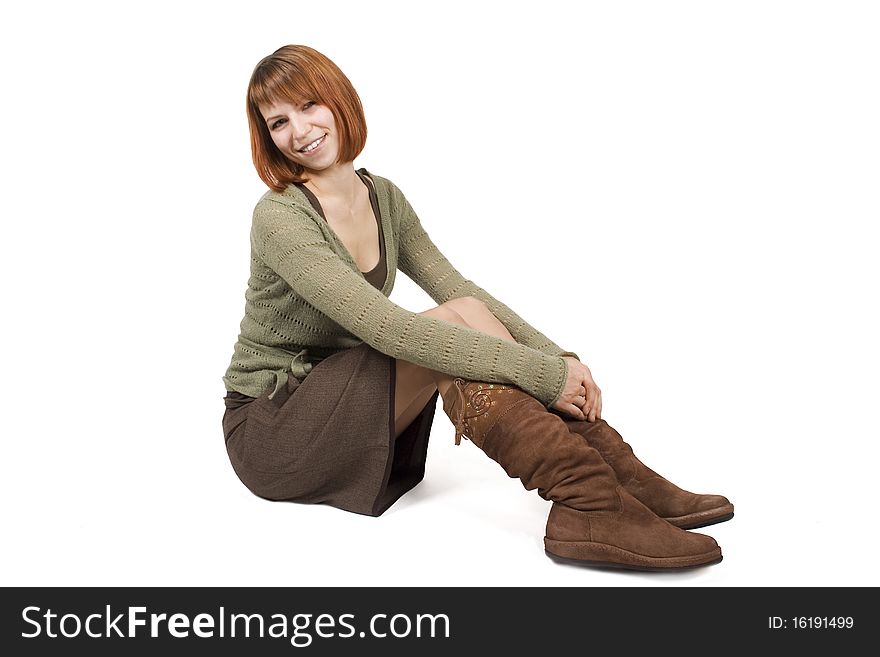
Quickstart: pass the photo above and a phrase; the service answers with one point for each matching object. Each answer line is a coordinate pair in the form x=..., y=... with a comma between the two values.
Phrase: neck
x=340, y=183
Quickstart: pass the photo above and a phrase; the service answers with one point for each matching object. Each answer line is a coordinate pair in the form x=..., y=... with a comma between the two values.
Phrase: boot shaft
x=530, y=443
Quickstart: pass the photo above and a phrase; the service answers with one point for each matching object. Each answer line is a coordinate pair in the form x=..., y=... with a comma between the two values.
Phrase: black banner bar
x=317, y=621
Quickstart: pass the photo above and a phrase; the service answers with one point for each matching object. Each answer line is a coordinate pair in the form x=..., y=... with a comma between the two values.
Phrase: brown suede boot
x=675, y=505
x=593, y=519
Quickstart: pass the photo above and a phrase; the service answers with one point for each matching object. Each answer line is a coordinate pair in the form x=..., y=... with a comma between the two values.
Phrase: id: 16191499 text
x=811, y=623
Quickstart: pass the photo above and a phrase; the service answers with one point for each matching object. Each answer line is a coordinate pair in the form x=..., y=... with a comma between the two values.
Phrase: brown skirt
x=329, y=439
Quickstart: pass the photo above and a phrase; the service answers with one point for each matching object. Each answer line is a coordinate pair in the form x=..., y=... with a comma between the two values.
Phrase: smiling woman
x=332, y=387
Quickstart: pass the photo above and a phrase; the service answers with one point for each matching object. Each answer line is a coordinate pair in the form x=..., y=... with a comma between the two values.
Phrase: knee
x=445, y=312
x=467, y=306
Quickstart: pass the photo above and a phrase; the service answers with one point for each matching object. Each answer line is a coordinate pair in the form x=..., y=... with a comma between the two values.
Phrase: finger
x=594, y=403
x=590, y=399
x=574, y=411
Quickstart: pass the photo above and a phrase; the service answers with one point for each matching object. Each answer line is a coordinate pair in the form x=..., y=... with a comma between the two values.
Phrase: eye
x=306, y=106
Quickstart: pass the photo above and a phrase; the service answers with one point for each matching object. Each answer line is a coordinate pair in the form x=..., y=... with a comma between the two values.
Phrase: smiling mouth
x=313, y=145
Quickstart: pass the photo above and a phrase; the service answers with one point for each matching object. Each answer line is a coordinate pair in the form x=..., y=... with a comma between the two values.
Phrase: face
x=293, y=127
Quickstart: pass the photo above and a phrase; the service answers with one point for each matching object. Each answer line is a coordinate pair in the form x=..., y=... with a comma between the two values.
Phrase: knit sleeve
x=291, y=244
x=421, y=260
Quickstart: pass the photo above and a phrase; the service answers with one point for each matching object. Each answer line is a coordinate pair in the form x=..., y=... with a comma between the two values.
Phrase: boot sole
x=703, y=518
x=609, y=556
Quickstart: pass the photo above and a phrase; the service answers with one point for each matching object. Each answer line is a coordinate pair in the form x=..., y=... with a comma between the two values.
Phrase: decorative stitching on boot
x=480, y=400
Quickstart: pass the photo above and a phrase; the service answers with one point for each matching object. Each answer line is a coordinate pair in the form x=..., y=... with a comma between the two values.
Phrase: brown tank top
x=376, y=276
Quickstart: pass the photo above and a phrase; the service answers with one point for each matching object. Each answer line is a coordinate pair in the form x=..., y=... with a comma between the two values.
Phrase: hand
x=581, y=397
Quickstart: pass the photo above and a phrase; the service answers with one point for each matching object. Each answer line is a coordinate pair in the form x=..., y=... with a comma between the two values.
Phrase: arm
x=422, y=261
x=290, y=242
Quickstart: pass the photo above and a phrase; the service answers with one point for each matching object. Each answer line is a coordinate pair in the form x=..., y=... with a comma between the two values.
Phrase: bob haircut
x=297, y=74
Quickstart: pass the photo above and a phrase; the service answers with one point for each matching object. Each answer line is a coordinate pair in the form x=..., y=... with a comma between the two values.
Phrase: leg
x=415, y=384
x=479, y=317
x=593, y=519
x=411, y=392
x=676, y=505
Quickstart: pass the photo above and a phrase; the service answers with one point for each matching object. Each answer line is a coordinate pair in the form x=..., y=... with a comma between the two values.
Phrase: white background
x=684, y=193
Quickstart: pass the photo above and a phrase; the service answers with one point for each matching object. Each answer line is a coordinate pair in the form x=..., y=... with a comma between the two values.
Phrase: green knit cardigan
x=306, y=300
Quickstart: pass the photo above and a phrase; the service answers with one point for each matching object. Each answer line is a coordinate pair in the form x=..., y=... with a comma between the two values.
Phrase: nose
x=299, y=131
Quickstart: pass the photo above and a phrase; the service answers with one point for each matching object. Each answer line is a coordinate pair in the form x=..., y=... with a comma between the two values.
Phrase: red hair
x=295, y=74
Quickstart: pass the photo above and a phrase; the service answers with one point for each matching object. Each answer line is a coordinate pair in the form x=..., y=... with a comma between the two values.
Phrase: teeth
x=313, y=145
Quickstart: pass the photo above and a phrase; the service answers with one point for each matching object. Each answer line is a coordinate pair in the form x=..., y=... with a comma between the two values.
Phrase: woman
x=332, y=387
